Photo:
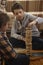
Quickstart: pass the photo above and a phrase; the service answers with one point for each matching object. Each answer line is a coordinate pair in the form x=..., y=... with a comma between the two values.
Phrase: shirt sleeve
x=39, y=20
x=7, y=48
x=32, y=17
x=14, y=31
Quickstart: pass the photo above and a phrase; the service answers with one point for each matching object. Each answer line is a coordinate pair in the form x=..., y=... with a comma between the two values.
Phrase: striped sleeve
x=7, y=48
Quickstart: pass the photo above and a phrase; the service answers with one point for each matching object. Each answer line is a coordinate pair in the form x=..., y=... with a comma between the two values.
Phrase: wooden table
x=20, y=50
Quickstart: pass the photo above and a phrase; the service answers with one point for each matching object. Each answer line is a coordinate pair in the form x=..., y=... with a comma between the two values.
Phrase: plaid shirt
x=6, y=49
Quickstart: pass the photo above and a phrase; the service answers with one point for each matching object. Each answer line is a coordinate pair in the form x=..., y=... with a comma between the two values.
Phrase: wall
x=35, y=5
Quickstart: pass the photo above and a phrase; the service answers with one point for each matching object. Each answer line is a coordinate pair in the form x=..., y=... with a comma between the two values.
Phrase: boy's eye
x=20, y=12
x=16, y=13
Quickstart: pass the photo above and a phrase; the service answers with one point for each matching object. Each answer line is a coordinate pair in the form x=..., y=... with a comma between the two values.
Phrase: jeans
x=17, y=43
x=22, y=59
x=37, y=43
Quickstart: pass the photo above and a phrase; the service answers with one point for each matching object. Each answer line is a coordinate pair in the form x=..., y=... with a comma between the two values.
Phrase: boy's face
x=19, y=13
x=4, y=27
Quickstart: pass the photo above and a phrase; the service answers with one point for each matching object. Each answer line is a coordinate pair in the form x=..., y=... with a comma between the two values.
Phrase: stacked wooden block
x=28, y=39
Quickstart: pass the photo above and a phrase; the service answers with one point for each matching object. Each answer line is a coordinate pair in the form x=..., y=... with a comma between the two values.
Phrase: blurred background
x=29, y=6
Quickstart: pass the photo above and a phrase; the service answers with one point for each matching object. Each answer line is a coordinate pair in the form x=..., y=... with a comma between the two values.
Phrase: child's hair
x=16, y=6
x=4, y=18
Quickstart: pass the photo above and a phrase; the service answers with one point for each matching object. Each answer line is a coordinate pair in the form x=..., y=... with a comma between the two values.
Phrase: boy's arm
x=8, y=49
x=39, y=20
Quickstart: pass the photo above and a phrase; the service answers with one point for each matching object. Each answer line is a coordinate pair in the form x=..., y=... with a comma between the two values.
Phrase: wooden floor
x=36, y=60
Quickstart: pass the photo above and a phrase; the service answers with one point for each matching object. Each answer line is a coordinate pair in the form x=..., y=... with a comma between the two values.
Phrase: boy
x=6, y=48
x=22, y=20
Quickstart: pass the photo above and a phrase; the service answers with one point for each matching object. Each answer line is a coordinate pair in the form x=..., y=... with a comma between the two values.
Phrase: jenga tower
x=28, y=39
